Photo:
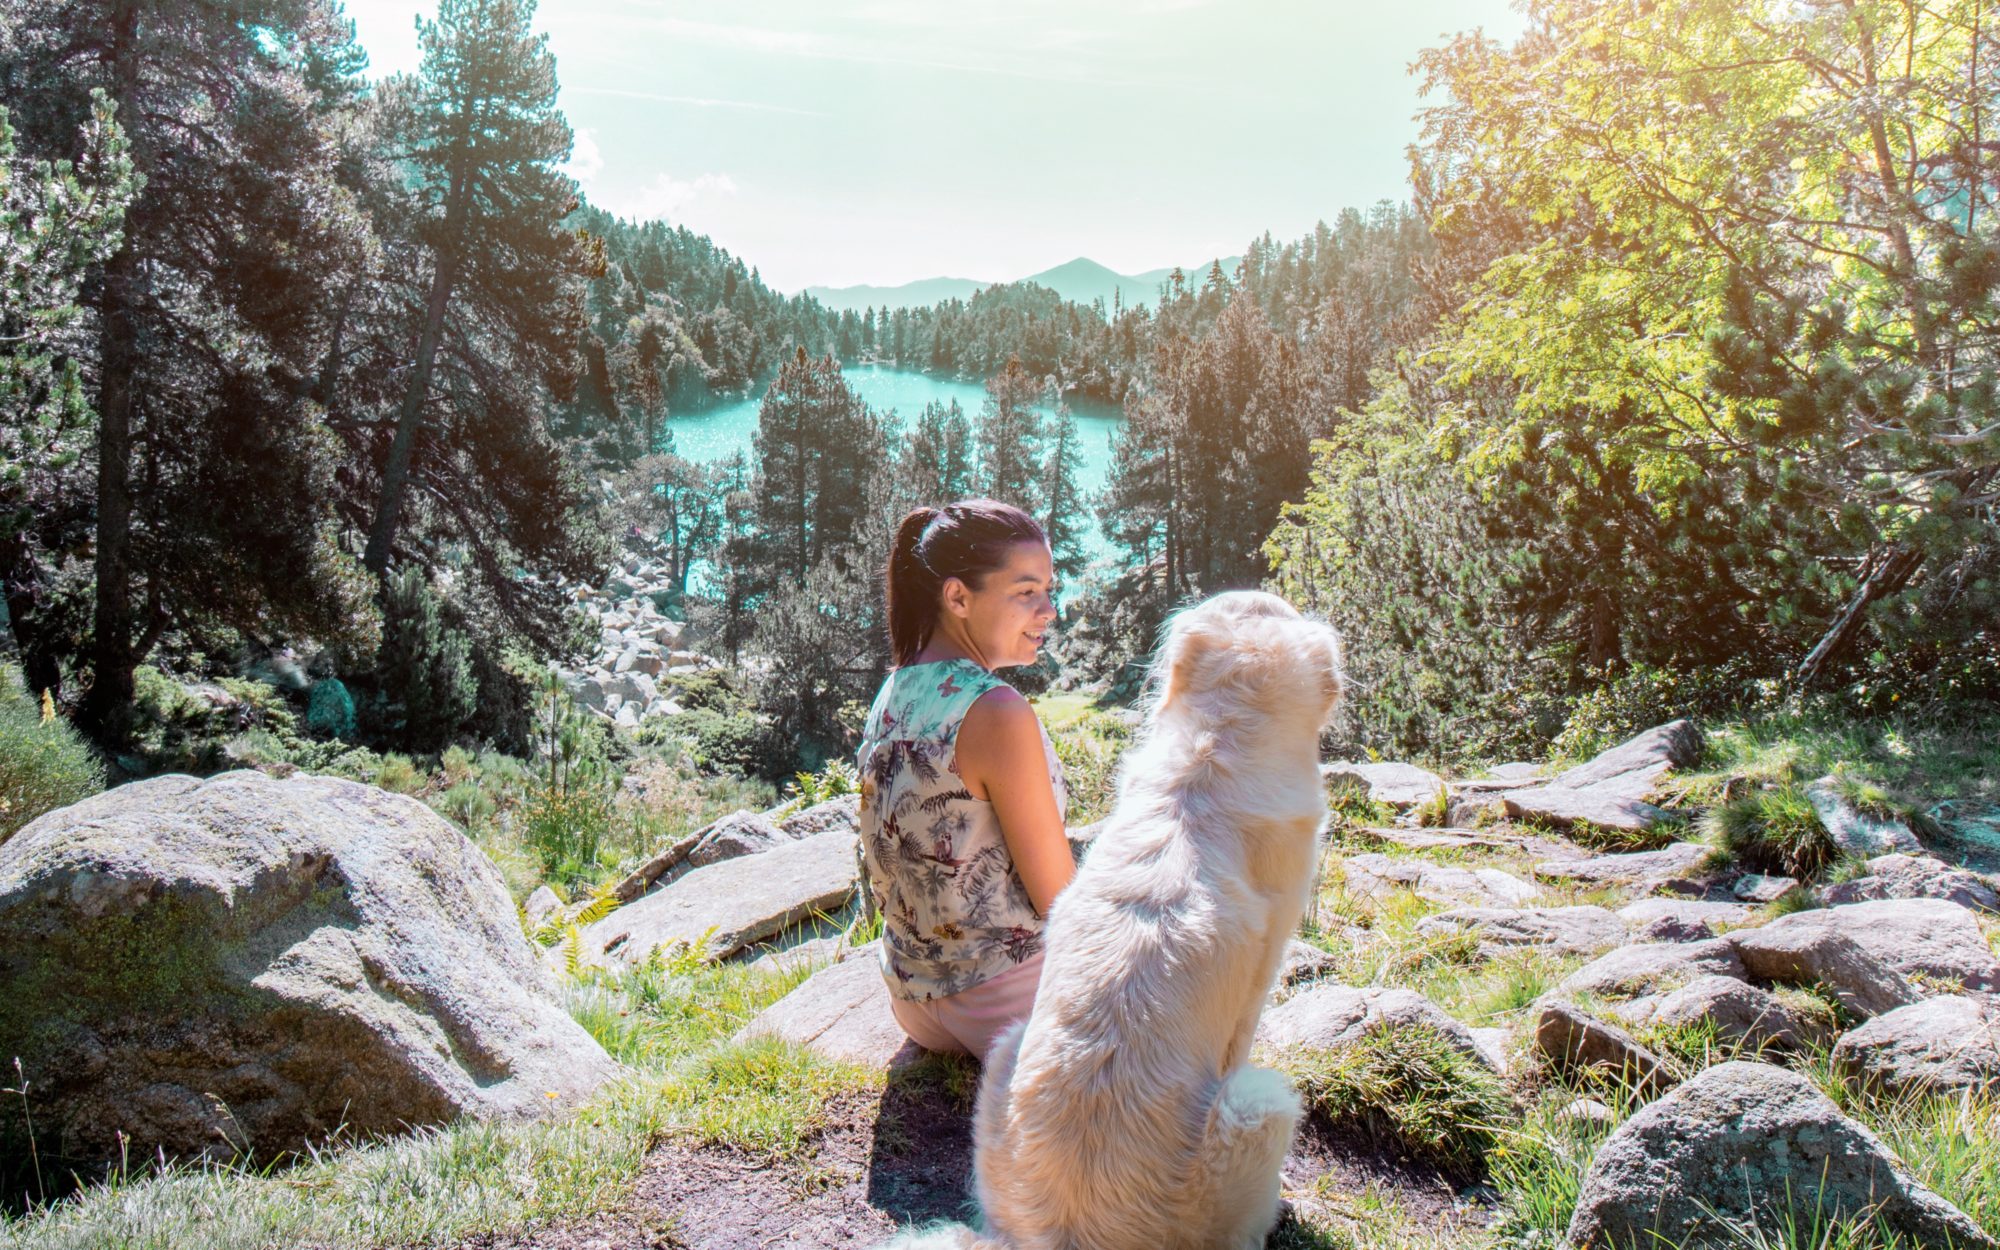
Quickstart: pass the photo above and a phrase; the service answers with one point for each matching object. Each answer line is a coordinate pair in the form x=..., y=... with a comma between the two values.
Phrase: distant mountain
x=1082, y=280
x=921, y=293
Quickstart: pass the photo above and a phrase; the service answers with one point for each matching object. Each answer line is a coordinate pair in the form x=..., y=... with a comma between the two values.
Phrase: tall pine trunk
x=106, y=708
x=410, y=416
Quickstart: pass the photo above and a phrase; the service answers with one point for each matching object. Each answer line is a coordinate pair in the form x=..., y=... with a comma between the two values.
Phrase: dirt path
x=905, y=1156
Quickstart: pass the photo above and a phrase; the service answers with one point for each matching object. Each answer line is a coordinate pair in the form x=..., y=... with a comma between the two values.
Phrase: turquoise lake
x=721, y=431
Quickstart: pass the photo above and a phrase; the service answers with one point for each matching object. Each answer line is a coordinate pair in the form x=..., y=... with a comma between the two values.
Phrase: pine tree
x=1064, y=517
x=213, y=477
x=58, y=222
x=480, y=139
x=817, y=447
x=425, y=687
x=1010, y=438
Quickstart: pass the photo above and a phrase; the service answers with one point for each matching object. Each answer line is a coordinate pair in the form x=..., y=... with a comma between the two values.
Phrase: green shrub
x=458, y=764
x=566, y=827
x=330, y=710
x=1089, y=748
x=44, y=764
x=260, y=705
x=424, y=681
x=399, y=773
x=1775, y=831
x=720, y=743
x=353, y=763
x=466, y=804
x=1347, y=797
x=1412, y=1085
x=175, y=730
x=1640, y=698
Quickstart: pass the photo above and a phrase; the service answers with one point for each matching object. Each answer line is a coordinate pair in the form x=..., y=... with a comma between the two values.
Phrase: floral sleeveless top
x=954, y=911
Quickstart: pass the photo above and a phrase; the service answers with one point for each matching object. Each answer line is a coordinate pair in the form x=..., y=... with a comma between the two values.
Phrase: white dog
x=1123, y=1112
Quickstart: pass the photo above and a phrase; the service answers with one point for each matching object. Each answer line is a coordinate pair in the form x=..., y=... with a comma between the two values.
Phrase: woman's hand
x=1000, y=759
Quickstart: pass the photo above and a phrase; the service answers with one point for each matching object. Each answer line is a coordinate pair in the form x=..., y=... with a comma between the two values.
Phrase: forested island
x=337, y=438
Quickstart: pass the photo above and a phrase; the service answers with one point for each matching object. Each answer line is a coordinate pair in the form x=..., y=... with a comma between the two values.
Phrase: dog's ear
x=1193, y=639
x=1331, y=672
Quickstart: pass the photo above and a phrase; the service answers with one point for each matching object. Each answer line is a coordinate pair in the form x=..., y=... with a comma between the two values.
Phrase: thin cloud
x=585, y=160
x=1034, y=63
x=698, y=101
x=667, y=198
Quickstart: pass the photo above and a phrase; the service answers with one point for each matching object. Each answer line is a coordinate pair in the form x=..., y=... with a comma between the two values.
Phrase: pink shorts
x=967, y=1022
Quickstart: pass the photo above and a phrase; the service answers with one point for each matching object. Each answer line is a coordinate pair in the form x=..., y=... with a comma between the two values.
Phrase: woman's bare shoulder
x=1000, y=732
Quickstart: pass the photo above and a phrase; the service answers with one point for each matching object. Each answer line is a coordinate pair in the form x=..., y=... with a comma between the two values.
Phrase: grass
x=1612, y=840
x=1773, y=831
x=1897, y=764
x=1088, y=743
x=1412, y=1087
x=44, y=764
x=442, y=1184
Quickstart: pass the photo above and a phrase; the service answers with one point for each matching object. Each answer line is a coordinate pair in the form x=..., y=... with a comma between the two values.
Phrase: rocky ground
x=1478, y=948
x=631, y=674
x=1890, y=968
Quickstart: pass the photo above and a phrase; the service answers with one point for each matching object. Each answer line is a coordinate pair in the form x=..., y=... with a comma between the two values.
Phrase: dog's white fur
x=1123, y=1112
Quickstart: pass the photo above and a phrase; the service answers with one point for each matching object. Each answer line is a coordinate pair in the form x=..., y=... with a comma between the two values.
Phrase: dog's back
x=1124, y=1112
x=1097, y=1124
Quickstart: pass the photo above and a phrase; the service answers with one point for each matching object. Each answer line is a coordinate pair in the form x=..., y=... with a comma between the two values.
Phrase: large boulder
x=1762, y=888
x=1943, y=1044
x=843, y=812
x=1440, y=883
x=1559, y=930
x=1610, y=791
x=735, y=835
x=1301, y=965
x=1969, y=828
x=1855, y=831
x=842, y=1012
x=1652, y=968
x=1748, y=1141
x=1681, y=859
x=1739, y=1012
x=727, y=906
x=1401, y=786
x=245, y=962
x=740, y=833
x=1875, y=956
x=1682, y=919
x=1572, y=1039
x=1641, y=760
x=1914, y=876
x=1334, y=1017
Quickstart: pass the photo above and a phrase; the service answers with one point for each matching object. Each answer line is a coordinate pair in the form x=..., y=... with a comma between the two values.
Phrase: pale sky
x=830, y=144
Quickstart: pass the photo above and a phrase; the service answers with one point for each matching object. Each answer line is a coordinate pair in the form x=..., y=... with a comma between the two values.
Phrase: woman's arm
x=1000, y=759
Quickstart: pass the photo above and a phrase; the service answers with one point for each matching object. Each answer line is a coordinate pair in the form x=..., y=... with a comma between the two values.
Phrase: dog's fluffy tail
x=945, y=1237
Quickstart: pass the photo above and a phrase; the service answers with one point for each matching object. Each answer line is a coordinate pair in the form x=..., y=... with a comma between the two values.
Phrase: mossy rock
x=243, y=964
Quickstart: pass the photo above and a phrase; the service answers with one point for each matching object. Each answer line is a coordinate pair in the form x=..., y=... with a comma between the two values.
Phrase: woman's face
x=1006, y=620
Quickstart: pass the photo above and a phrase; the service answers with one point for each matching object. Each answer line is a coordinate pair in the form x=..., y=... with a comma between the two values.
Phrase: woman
x=962, y=798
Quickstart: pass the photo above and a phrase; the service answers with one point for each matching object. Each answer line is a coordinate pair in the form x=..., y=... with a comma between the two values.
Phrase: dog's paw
x=1252, y=1095
x=943, y=1237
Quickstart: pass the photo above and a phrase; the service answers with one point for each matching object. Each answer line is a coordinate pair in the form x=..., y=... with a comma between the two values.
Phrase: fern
x=835, y=778
x=602, y=903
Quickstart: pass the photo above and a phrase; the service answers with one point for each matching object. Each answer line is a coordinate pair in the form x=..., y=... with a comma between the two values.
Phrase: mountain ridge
x=1081, y=280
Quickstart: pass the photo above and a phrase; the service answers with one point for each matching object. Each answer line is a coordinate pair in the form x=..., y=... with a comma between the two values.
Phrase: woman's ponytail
x=912, y=589
x=967, y=540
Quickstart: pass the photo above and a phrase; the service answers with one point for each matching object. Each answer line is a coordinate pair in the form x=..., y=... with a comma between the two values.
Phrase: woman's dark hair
x=967, y=540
